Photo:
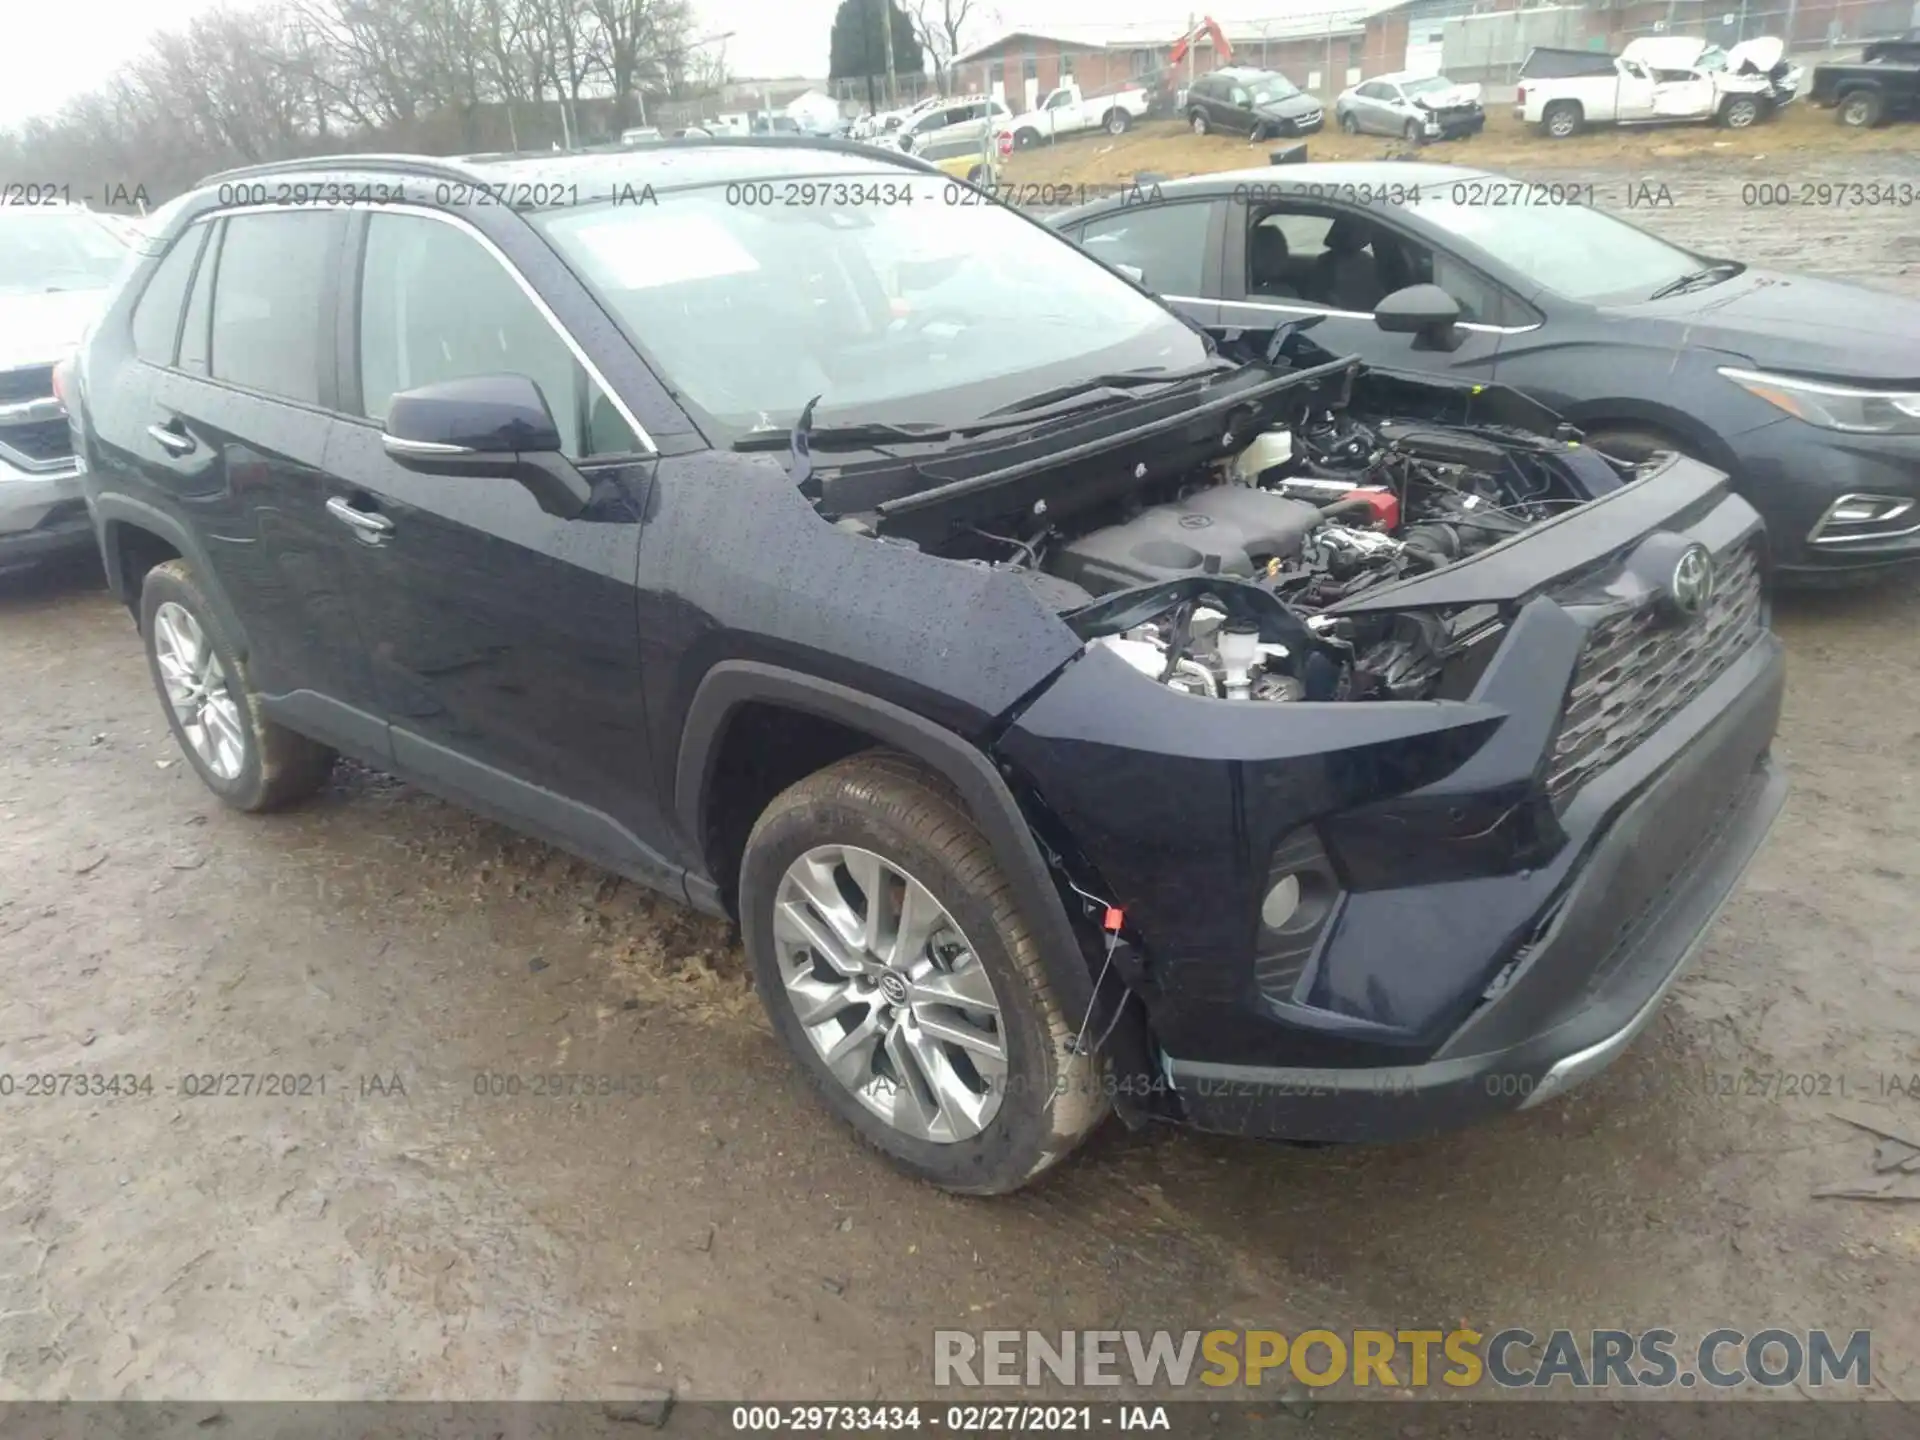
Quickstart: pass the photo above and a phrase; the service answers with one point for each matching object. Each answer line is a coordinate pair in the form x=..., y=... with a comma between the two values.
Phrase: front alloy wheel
x=891, y=993
x=899, y=972
x=1742, y=113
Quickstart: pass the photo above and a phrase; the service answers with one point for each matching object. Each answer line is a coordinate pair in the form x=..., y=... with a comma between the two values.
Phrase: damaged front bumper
x=1362, y=921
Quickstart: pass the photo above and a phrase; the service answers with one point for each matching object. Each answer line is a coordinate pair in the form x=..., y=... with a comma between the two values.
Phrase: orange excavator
x=1208, y=28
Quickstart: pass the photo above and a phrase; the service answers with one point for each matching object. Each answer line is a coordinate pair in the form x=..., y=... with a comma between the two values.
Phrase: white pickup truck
x=1656, y=79
x=1067, y=112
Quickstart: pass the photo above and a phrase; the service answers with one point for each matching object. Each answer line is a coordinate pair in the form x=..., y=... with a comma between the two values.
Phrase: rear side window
x=156, y=318
x=194, y=331
x=268, y=300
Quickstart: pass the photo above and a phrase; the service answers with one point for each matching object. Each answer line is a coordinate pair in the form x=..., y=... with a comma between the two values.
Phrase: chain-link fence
x=1326, y=50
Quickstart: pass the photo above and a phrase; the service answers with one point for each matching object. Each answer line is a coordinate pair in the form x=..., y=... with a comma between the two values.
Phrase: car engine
x=1352, y=507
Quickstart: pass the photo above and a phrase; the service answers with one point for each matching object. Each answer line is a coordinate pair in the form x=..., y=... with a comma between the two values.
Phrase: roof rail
x=405, y=164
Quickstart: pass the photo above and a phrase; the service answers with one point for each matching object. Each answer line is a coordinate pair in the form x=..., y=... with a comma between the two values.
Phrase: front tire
x=1349, y=123
x=1740, y=113
x=214, y=713
x=1197, y=121
x=1625, y=443
x=896, y=968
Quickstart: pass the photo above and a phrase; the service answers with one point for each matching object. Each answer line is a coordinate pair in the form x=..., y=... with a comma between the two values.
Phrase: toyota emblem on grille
x=1692, y=582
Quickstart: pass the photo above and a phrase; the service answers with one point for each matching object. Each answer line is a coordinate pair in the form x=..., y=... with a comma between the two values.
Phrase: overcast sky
x=57, y=49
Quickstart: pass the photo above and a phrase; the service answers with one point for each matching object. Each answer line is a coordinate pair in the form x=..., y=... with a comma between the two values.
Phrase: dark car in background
x=1072, y=706
x=1805, y=391
x=1262, y=104
x=1883, y=84
x=56, y=264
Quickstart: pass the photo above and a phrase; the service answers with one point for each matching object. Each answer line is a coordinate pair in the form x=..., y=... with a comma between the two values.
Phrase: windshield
x=45, y=249
x=1273, y=87
x=1576, y=251
x=1711, y=58
x=1426, y=85
x=894, y=297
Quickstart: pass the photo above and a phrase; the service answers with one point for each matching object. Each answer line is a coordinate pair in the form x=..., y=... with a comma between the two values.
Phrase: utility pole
x=886, y=35
x=866, y=63
x=1192, y=41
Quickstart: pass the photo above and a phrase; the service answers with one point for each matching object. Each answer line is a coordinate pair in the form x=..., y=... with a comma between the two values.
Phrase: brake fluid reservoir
x=1271, y=448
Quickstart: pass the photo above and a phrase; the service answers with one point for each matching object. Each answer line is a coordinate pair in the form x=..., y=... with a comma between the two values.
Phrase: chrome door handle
x=370, y=527
x=172, y=441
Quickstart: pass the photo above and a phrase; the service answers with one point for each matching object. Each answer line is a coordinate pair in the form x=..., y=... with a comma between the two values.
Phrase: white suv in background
x=56, y=264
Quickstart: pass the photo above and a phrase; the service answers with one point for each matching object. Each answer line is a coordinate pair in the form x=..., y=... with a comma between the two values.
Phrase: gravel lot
x=710, y=1229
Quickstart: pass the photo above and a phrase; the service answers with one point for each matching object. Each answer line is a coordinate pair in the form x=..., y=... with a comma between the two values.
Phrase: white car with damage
x=1658, y=79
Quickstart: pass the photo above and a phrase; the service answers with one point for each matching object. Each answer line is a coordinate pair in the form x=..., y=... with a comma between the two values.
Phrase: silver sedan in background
x=1415, y=107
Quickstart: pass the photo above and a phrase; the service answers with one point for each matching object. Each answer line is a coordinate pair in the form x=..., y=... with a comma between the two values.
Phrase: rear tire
x=1025, y=139
x=1562, y=119
x=901, y=828
x=1861, y=109
x=1117, y=121
x=246, y=759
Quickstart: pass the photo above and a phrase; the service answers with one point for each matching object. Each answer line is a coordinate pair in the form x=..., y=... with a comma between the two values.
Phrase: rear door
x=505, y=639
x=237, y=438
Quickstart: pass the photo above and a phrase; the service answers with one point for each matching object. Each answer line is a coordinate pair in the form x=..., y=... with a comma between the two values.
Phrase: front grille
x=1638, y=668
x=37, y=445
x=31, y=382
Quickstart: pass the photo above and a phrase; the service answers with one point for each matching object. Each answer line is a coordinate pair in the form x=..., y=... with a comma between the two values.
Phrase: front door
x=1287, y=262
x=505, y=640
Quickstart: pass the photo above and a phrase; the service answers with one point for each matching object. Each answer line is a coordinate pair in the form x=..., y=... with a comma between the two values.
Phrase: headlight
x=1835, y=407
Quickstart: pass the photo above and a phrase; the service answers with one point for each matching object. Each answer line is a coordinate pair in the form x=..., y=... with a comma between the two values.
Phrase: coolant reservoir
x=1271, y=448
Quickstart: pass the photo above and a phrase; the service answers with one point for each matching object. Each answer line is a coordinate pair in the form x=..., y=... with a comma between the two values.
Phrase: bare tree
x=937, y=25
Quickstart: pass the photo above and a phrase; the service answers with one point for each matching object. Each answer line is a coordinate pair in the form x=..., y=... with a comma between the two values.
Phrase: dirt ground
x=1771, y=150
x=403, y=1234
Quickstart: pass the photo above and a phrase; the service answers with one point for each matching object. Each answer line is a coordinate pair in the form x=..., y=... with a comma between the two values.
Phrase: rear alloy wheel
x=1117, y=122
x=1198, y=121
x=1741, y=112
x=244, y=758
x=894, y=966
x=1562, y=120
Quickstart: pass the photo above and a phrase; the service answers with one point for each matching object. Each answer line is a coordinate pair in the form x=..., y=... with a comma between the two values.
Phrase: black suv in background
x=1263, y=104
x=1074, y=708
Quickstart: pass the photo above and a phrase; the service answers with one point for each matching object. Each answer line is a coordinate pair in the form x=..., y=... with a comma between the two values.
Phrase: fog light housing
x=1855, y=519
x=1299, y=898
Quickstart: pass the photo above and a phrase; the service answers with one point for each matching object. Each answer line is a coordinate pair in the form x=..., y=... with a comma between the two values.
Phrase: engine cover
x=1242, y=526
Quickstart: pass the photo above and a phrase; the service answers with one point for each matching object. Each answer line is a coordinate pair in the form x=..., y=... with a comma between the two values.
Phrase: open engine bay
x=1226, y=575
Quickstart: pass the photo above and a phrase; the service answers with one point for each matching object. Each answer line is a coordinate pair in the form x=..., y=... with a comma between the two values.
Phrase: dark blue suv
x=1077, y=709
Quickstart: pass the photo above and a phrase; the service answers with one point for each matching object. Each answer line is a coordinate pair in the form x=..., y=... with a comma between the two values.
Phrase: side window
x=194, y=336
x=436, y=305
x=1166, y=243
x=268, y=296
x=156, y=318
x=1059, y=98
x=1241, y=97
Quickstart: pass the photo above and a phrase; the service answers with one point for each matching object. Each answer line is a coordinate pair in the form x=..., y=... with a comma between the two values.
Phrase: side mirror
x=1133, y=273
x=1426, y=312
x=486, y=425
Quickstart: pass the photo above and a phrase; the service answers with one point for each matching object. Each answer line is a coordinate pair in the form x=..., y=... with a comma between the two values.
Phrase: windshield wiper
x=1126, y=380
x=1719, y=270
x=850, y=436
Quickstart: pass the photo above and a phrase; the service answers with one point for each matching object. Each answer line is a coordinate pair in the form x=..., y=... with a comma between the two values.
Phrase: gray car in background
x=1414, y=107
x=56, y=263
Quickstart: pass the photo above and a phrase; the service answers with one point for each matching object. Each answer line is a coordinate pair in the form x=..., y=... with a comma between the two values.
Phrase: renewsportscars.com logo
x=1510, y=1359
